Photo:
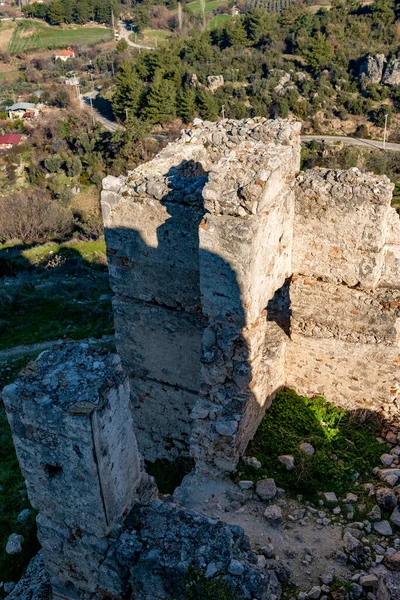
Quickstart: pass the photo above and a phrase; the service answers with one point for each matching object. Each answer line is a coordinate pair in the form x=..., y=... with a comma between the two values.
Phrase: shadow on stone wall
x=180, y=329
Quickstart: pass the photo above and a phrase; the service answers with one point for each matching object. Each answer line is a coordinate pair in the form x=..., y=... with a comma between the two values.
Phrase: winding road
x=351, y=141
x=125, y=33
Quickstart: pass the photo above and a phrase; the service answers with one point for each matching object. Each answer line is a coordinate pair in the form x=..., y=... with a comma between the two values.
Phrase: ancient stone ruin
x=233, y=275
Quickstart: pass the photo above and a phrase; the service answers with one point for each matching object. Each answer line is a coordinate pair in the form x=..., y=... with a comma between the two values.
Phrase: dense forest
x=320, y=53
x=74, y=11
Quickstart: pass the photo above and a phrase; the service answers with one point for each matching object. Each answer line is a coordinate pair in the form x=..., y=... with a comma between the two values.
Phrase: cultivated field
x=6, y=33
x=33, y=35
x=194, y=7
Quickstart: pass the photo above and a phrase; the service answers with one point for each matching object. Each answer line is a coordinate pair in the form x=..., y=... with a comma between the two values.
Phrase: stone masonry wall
x=73, y=432
x=345, y=296
x=198, y=242
x=233, y=277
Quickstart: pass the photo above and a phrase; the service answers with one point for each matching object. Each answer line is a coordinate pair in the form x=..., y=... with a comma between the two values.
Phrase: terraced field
x=33, y=35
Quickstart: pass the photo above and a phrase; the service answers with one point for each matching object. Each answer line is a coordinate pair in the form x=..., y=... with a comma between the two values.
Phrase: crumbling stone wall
x=73, y=432
x=198, y=241
x=345, y=294
x=233, y=277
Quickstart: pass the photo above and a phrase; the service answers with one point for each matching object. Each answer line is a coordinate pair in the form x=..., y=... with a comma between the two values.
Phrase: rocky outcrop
x=214, y=82
x=372, y=67
x=392, y=73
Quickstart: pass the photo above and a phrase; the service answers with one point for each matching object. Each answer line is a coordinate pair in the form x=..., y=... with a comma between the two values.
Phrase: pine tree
x=160, y=105
x=56, y=13
x=186, y=104
x=234, y=34
x=81, y=11
x=207, y=105
x=128, y=89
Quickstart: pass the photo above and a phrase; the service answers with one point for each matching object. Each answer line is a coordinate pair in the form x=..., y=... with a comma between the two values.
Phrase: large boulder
x=372, y=67
x=392, y=73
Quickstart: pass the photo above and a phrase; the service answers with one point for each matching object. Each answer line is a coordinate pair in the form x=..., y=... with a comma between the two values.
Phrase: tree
x=186, y=104
x=318, y=51
x=62, y=98
x=122, y=45
x=256, y=23
x=207, y=105
x=81, y=11
x=74, y=166
x=56, y=13
x=234, y=34
x=53, y=163
x=30, y=216
x=379, y=115
x=128, y=89
x=160, y=100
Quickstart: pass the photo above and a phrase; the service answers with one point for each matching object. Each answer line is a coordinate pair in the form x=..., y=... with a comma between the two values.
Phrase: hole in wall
x=52, y=470
x=169, y=474
x=278, y=308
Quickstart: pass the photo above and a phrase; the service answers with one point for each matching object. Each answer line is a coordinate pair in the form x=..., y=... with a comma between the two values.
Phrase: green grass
x=54, y=293
x=151, y=37
x=32, y=35
x=345, y=448
x=218, y=21
x=195, y=9
x=13, y=497
x=8, y=76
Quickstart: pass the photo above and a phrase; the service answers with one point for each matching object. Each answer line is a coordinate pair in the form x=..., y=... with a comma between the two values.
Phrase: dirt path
x=22, y=350
x=18, y=351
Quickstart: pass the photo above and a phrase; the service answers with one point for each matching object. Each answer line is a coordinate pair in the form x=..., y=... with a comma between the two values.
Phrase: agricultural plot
x=32, y=35
x=195, y=9
x=271, y=5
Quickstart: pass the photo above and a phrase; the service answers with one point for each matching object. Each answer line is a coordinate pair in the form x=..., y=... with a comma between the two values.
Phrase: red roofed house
x=65, y=54
x=9, y=140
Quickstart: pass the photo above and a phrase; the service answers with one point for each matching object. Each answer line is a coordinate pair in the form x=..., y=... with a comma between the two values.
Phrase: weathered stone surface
x=372, y=68
x=73, y=432
x=273, y=515
x=163, y=542
x=386, y=498
x=214, y=82
x=14, y=544
x=35, y=584
x=392, y=73
x=356, y=206
x=266, y=489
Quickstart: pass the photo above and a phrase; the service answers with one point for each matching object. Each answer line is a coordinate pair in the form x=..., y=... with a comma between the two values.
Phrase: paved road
x=125, y=34
x=352, y=141
x=85, y=103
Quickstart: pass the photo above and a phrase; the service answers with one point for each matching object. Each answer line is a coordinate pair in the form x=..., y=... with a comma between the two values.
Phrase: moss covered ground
x=346, y=449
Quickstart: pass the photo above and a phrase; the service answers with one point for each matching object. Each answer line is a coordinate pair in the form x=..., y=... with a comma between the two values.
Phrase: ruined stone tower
x=234, y=275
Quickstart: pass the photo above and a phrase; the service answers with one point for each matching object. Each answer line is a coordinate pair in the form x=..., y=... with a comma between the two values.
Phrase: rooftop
x=22, y=106
x=10, y=138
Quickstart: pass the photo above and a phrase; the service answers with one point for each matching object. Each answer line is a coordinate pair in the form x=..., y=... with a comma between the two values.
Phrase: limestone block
x=243, y=261
x=390, y=277
x=73, y=432
x=153, y=252
x=340, y=225
x=328, y=310
x=162, y=419
x=354, y=376
x=159, y=343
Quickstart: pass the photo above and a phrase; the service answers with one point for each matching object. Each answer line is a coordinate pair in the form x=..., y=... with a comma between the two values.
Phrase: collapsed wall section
x=344, y=295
